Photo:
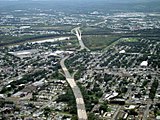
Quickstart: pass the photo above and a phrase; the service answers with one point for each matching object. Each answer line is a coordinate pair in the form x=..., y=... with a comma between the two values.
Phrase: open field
x=129, y=39
x=99, y=42
x=7, y=27
x=57, y=28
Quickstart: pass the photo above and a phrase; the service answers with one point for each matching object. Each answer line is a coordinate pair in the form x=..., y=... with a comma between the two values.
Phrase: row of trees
x=153, y=89
x=68, y=98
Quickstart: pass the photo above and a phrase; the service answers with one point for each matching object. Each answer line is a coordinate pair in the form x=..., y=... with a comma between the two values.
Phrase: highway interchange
x=81, y=111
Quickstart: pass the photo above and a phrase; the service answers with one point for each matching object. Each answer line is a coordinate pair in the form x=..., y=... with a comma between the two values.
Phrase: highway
x=81, y=111
x=146, y=113
x=116, y=113
x=77, y=32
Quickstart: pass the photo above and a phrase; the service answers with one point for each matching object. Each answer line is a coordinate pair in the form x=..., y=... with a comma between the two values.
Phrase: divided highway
x=81, y=111
x=77, y=32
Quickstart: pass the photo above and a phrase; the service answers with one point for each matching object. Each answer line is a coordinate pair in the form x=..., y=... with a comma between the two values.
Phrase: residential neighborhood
x=87, y=61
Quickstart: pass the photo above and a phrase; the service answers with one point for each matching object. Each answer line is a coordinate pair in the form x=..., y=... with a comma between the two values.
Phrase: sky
x=88, y=0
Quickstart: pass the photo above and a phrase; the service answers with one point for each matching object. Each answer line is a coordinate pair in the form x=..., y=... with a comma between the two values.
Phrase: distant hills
x=84, y=5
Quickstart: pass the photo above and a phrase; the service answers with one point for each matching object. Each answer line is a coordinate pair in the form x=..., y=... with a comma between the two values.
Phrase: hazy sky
x=87, y=0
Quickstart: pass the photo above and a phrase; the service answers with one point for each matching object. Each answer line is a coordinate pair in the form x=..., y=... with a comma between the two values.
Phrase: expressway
x=77, y=32
x=81, y=111
x=116, y=113
x=146, y=113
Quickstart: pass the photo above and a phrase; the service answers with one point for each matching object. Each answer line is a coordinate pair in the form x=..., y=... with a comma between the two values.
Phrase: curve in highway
x=81, y=111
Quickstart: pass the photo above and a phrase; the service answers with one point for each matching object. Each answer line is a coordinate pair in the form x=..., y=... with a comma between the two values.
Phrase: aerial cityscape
x=80, y=60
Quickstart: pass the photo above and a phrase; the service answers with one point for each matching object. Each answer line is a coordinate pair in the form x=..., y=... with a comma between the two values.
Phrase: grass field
x=7, y=27
x=99, y=42
x=129, y=39
x=68, y=44
x=58, y=28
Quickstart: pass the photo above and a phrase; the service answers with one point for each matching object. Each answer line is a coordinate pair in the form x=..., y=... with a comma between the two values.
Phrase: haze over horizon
x=111, y=1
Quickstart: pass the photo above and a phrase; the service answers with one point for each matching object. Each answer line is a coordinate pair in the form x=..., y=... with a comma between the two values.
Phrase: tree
x=153, y=89
x=104, y=107
x=92, y=116
x=47, y=111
